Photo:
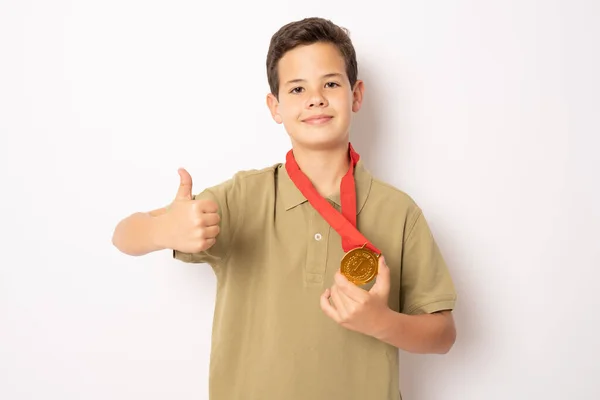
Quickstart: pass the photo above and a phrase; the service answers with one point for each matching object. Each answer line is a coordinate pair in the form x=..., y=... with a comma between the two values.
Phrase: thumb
x=185, y=185
x=382, y=281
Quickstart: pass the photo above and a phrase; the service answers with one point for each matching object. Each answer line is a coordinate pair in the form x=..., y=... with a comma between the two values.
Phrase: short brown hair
x=305, y=32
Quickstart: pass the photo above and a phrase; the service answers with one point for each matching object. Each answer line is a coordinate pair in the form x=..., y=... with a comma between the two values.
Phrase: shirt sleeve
x=426, y=285
x=228, y=197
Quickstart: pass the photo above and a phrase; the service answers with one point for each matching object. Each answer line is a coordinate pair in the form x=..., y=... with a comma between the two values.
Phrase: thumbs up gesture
x=190, y=225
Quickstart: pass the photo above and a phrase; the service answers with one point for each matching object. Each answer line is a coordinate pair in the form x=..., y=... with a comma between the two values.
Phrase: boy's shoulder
x=255, y=179
x=386, y=191
x=258, y=173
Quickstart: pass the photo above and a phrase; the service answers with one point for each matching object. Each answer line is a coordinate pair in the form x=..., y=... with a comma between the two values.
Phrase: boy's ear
x=273, y=105
x=357, y=95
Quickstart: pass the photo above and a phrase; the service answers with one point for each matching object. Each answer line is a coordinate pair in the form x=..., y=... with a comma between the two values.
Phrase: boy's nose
x=317, y=100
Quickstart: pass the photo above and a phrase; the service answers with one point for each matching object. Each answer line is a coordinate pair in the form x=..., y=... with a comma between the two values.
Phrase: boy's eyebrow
x=331, y=75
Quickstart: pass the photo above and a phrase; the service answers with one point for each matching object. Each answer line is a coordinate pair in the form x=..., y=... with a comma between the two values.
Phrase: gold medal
x=359, y=265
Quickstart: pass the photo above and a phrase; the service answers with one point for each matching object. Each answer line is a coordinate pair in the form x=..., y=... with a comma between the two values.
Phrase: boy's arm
x=427, y=296
x=186, y=225
x=368, y=312
x=140, y=233
x=424, y=322
x=424, y=334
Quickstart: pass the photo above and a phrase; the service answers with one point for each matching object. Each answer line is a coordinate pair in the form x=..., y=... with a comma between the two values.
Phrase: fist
x=191, y=225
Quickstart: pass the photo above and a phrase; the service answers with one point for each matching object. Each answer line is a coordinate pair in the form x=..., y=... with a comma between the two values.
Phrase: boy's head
x=312, y=71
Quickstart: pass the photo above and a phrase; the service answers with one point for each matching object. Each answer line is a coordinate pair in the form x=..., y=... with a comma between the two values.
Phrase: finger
x=382, y=281
x=327, y=308
x=339, y=301
x=211, y=232
x=185, y=185
x=208, y=243
x=348, y=288
x=207, y=206
x=210, y=219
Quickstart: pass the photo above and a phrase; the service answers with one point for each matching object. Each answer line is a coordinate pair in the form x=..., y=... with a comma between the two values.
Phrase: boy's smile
x=319, y=119
x=315, y=101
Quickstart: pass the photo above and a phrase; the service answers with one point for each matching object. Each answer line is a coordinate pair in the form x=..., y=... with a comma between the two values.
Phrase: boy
x=323, y=271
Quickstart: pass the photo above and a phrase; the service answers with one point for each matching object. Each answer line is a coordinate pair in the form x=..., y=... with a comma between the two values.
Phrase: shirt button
x=318, y=236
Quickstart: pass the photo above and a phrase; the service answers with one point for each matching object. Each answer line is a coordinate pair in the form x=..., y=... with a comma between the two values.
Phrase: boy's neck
x=324, y=168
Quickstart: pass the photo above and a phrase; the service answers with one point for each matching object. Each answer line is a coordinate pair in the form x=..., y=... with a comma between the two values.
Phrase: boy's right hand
x=190, y=226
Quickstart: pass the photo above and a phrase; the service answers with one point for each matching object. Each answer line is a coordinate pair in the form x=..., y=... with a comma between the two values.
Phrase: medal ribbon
x=344, y=223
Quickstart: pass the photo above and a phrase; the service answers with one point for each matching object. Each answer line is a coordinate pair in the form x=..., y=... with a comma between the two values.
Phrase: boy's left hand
x=355, y=308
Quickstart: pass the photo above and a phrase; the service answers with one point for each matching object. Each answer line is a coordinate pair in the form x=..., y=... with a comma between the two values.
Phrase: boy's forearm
x=427, y=333
x=138, y=234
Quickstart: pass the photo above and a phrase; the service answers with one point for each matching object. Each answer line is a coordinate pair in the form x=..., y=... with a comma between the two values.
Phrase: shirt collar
x=292, y=197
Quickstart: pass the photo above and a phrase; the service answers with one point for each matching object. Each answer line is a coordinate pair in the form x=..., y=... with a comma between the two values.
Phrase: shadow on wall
x=365, y=133
x=379, y=146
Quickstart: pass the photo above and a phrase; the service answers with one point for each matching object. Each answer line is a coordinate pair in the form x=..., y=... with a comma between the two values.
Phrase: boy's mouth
x=318, y=119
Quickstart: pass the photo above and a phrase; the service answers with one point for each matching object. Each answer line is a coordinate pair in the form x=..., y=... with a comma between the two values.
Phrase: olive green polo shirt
x=274, y=257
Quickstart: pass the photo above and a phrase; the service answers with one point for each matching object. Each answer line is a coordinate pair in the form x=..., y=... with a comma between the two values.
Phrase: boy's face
x=316, y=101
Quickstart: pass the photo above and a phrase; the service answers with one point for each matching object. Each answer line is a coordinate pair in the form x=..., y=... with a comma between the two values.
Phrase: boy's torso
x=271, y=340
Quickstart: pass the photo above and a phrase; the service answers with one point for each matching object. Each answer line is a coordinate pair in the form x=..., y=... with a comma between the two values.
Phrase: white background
x=486, y=113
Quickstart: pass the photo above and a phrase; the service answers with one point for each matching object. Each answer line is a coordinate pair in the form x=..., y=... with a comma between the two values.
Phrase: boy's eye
x=297, y=90
x=331, y=84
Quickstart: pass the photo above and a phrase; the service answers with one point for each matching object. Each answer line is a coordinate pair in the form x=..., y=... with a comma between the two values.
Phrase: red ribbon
x=344, y=223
